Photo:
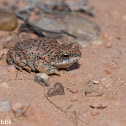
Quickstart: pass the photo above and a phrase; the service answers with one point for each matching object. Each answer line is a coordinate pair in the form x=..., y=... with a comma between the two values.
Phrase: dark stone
x=57, y=89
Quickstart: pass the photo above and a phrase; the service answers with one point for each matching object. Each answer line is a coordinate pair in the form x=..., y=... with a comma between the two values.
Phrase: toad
x=43, y=54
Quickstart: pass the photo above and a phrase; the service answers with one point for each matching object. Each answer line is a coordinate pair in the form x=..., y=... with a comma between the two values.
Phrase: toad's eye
x=65, y=56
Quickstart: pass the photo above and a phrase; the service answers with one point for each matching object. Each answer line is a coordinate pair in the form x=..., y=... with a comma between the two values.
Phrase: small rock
x=19, y=110
x=95, y=112
x=57, y=89
x=93, y=92
x=8, y=21
x=5, y=106
x=97, y=42
x=42, y=79
x=95, y=82
x=92, y=82
x=4, y=85
x=43, y=76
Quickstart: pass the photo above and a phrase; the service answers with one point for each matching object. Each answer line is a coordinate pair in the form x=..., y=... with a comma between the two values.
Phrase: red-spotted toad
x=45, y=55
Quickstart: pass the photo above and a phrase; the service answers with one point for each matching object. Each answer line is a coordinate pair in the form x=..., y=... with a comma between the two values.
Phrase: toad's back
x=39, y=44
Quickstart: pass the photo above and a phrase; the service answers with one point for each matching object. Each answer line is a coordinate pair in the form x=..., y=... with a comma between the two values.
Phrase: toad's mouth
x=65, y=63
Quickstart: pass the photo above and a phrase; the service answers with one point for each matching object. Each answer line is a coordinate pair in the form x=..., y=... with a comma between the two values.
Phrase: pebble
x=8, y=21
x=43, y=76
x=57, y=89
x=95, y=82
x=19, y=109
x=5, y=106
x=42, y=79
x=93, y=92
x=92, y=82
x=97, y=42
x=4, y=85
x=95, y=112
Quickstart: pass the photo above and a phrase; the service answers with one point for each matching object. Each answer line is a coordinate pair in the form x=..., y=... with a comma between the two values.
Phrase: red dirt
x=105, y=63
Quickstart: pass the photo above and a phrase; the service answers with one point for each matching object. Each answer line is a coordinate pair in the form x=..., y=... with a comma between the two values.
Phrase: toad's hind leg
x=18, y=60
x=30, y=63
x=8, y=58
x=44, y=67
x=10, y=62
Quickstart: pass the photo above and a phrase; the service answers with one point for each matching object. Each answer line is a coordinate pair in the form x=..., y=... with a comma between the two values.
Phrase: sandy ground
x=104, y=62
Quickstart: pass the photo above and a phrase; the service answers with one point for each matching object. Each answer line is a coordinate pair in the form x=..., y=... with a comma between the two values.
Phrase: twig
x=69, y=106
x=54, y=104
x=59, y=108
x=75, y=114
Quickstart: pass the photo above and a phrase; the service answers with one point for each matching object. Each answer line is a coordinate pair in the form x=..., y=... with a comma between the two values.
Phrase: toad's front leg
x=44, y=67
